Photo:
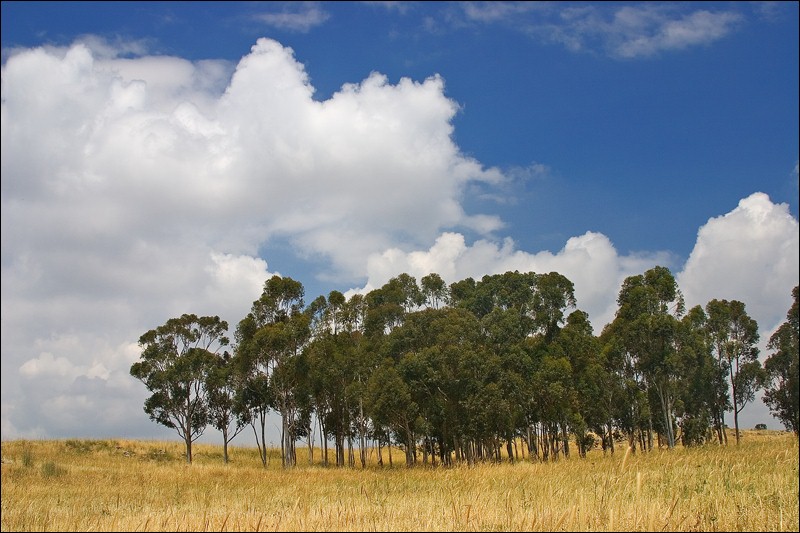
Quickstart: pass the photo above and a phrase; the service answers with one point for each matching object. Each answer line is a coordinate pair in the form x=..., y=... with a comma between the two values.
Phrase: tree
x=782, y=370
x=697, y=400
x=269, y=338
x=434, y=290
x=647, y=321
x=390, y=404
x=735, y=336
x=222, y=386
x=175, y=363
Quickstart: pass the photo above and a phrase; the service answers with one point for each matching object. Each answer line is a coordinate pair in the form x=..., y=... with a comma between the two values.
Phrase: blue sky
x=166, y=157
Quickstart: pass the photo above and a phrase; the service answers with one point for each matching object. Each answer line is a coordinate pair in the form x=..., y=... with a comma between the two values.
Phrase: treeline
x=471, y=371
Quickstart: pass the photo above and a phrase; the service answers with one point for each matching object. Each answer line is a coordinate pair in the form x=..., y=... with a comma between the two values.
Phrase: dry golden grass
x=146, y=486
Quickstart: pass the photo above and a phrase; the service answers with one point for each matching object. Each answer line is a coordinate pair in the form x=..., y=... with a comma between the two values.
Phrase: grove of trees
x=478, y=370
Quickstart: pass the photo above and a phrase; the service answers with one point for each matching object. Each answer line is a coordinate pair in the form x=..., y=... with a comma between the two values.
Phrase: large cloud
x=751, y=254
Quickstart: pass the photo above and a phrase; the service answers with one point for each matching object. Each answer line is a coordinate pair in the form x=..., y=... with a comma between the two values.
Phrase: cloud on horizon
x=138, y=189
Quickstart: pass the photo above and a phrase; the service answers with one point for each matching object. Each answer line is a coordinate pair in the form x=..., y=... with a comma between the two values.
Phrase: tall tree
x=734, y=336
x=175, y=363
x=269, y=338
x=554, y=293
x=434, y=290
x=650, y=306
x=782, y=370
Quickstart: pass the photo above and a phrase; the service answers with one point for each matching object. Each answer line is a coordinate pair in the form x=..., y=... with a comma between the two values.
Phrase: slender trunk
x=362, y=427
x=283, y=441
x=735, y=408
x=724, y=429
x=409, y=446
x=611, y=438
x=225, y=445
x=351, y=458
x=666, y=409
x=188, y=448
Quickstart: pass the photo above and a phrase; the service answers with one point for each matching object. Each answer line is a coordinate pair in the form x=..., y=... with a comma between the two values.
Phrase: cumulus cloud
x=750, y=254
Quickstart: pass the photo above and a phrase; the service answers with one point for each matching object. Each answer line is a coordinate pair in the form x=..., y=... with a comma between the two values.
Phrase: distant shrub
x=159, y=455
x=27, y=456
x=83, y=446
x=761, y=427
x=50, y=469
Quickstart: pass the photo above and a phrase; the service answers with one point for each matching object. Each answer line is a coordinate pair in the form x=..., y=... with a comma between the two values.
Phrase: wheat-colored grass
x=146, y=486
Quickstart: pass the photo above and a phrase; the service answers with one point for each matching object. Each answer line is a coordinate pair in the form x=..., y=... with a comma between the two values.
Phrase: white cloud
x=497, y=11
x=751, y=254
x=627, y=31
x=299, y=17
x=636, y=34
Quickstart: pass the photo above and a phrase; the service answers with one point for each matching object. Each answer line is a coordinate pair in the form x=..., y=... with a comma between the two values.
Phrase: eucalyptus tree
x=222, y=385
x=390, y=404
x=782, y=370
x=697, y=401
x=386, y=306
x=338, y=367
x=434, y=290
x=254, y=396
x=591, y=380
x=650, y=306
x=735, y=336
x=553, y=295
x=269, y=338
x=176, y=360
x=629, y=406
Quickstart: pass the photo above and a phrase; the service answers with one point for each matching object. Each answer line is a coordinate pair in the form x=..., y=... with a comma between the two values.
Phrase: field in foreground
x=81, y=485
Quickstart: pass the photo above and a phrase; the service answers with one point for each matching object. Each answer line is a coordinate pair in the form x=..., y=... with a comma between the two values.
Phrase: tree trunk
x=409, y=447
x=225, y=445
x=611, y=438
x=188, y=448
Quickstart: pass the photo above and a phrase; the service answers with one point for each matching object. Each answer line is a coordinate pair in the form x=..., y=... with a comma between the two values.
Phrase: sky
x=161, y=158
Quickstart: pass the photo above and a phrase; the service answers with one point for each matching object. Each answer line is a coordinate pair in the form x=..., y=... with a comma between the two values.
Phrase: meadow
x=124, y=485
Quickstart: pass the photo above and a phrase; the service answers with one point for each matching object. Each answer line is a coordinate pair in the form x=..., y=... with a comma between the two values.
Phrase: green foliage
x=461, y=372
x=782, y=379
x=174, y=366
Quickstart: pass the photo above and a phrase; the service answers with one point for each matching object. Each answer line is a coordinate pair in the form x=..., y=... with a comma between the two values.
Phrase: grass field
x=82, y=485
